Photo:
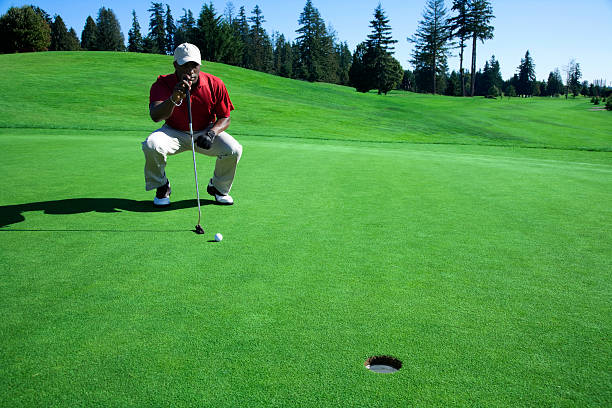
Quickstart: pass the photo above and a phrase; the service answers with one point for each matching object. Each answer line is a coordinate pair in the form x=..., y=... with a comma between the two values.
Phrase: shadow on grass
x=12, y=214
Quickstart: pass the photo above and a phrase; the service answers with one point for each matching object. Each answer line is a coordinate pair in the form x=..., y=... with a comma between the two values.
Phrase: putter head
x=199, y=229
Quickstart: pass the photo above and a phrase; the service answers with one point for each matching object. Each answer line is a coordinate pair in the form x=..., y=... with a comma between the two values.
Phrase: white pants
x=167, y=141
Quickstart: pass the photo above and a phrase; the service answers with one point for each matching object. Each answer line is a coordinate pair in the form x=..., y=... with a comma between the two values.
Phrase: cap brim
x=183, y=61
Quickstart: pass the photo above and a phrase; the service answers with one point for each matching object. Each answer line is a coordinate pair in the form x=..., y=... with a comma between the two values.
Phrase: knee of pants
x=151, y=144
x=237, y=152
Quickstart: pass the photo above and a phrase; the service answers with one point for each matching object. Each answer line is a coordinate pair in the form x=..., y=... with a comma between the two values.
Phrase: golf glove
x=205, y=141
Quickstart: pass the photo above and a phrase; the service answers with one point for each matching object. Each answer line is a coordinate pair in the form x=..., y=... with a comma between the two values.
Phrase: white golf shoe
x=224, y=199
x=162, y=196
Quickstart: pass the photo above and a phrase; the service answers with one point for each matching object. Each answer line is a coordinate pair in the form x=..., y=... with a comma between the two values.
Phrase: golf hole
x=383, y=364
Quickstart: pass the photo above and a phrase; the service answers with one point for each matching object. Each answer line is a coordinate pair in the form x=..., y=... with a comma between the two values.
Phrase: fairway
x=468, y=238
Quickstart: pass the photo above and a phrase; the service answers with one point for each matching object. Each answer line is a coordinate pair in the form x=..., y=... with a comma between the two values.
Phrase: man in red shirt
x=211, y=107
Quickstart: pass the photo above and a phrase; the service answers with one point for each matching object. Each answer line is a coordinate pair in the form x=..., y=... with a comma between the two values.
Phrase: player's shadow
x=12, y=214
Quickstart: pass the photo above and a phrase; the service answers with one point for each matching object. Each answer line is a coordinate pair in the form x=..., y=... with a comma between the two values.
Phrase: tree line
x=238, y=38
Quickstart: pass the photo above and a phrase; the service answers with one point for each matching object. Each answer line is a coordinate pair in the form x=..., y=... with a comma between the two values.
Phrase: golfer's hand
x=205, y=141
x=180, y=90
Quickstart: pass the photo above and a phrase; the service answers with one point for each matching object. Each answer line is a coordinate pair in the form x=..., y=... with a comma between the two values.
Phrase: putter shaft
x=195, y=170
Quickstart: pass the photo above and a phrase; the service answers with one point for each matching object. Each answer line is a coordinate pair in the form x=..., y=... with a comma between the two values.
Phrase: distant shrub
x=493, y=92
x=593, y=100
x=609, y=104
x=511, y=90
x=596, y=101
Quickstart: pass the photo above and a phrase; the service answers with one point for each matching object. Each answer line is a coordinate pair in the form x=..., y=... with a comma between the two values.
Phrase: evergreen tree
x=480, y=16
x=59, y=36
x=543, y=90
x=241, y=25
x=526, y=76
x=88, y=36
x=135, y=43
x=259, y=46
x=431, y=45
x=108, y=32
x=453, y=85
x=314, y=44
x=384, y=67
x=460, y=29
x=491, y=77
x=170, y=31
x=479, y=83
x=157, y=30
x=344, y=63
x=359, y=77
x=185, y=32
x=330, y=57
x=210, y=38
x=23, y=29
x=584, y=90
x=73, y=40
x=408, y=83
x=283, y=57
x=43, y=14
x=233, y=46
x=573, y=78
x=554, y=85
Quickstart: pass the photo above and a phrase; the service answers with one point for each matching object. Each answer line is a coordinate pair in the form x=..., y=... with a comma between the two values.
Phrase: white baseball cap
x=186, y=52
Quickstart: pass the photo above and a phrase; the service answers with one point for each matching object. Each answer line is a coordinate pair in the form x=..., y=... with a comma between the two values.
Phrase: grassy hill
x=415, y=226
x=271, y=106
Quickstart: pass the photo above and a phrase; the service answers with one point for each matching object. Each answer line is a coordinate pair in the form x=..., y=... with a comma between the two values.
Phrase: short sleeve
x=223, y=105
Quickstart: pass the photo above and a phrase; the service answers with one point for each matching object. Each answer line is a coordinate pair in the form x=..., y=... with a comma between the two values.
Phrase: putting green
x=484, y=269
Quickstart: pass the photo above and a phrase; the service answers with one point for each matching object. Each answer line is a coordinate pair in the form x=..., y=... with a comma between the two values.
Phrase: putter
x=198, y=227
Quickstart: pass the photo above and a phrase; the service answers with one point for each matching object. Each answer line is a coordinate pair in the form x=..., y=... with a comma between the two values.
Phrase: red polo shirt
x=209, y=101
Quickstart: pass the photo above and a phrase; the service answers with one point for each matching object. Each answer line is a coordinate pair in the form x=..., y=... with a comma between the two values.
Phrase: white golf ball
x=218, y=237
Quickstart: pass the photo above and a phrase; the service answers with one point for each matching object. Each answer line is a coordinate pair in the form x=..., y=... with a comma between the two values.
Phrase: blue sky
x=554, y=31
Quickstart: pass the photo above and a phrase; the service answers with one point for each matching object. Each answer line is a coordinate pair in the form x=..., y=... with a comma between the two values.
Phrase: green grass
x=469, y=238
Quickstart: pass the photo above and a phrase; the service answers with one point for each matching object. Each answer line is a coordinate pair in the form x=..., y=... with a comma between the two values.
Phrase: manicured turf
x=421, y=227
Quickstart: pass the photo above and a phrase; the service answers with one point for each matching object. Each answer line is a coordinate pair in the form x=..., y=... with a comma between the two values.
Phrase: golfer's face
x=191, y=69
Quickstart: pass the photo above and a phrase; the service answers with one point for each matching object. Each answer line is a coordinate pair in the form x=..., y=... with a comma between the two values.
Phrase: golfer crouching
x=211, y=107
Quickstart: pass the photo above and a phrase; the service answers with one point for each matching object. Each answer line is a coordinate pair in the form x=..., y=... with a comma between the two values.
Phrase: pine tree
x=59, y=35
x=23, y=29
x=431, y=45
x=359, y=73
x=408, y=81
x=241, y=24
x=344, y=63
x=88, y=36
x=210, y=40
x=170, y=32
x=73, y=40
x=259, y=46
x=480, y=16
x=283, y=57
x=314, y=43
x=384, y=68
x=43, y=14
x=460, y=29
x=233, y=46
x=573, y=78
x=134, y=35
x=185, y=32
x=157, y=30
x=491, y=77
x=108, y=32
x=526, y=76
x=453, y=85
x=554, y=85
